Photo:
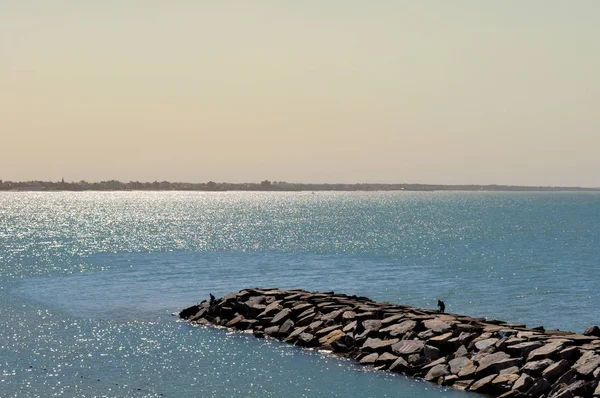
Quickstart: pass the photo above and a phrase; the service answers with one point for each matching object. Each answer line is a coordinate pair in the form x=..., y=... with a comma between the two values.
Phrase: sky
x=387, y=91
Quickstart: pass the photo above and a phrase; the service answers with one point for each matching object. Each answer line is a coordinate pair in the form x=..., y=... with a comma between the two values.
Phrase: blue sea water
x=88, y=281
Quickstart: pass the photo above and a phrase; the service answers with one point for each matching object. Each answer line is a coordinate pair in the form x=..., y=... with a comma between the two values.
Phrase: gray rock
x=566, y=378
x=592, y=331
x=544, y=352
x=295, y=333
x=457, y=364
x=306, y=340
x=369, y=359
x=315, y=325
x=333, y=316
x=348, y=316
x=512, y=369
x=272, y=331
x=400, y=365
x=588, y=362
x=437, y=325
x=426, y=334
x=386, y=359
x=461, y=352
x=538, y=388
x=407, y=347
x=504, y=382
x=431, y=352
x=436, y=372
x=331, y=337
x=378, y=345
x=523, y=383
x=494, y=363
x=571, y=354
x=483, y=344
x=535, y=368
x=482, y=384
x=523, y=349
x=399, y=329
x=392, y=319
x=372, y=324
x=462, y=384
x=553, y=371
x=563, y=393
x=468, y=370
x=281, y=316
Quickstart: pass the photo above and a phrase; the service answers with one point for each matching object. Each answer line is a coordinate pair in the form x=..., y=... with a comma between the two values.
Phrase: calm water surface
x=88, y=281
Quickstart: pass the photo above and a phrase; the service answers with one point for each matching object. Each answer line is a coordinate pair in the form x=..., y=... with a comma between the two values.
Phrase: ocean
x=88, y=281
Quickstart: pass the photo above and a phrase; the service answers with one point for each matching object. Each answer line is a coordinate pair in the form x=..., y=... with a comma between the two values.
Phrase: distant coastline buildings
x=266, y=185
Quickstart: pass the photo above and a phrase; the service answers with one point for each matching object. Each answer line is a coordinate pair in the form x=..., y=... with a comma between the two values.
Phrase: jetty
x=486, y=356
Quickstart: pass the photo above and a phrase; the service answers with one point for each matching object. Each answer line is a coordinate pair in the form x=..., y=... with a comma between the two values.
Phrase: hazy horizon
x=431, y=92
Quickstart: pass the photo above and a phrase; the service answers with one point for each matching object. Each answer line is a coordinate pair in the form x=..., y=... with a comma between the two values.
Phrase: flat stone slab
x=407, y=347
x=437, y=325
x=378, y=344
x=399, y=329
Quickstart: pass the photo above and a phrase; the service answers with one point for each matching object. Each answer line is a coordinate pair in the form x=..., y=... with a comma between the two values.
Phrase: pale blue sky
x=452, y=92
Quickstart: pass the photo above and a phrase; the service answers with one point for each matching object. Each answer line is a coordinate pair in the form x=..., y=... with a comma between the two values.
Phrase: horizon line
x=265, y=185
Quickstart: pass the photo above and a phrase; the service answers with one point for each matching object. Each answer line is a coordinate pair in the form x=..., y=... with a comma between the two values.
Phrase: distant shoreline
x=267, y=186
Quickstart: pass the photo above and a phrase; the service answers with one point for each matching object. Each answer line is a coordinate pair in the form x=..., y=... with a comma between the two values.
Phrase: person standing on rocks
x=441, y=306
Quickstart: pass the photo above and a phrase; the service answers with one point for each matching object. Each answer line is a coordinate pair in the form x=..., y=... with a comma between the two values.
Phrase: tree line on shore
x=266, y=185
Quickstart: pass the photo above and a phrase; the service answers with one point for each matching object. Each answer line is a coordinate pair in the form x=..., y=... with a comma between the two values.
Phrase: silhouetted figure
x=212, y=299
x=441, y=306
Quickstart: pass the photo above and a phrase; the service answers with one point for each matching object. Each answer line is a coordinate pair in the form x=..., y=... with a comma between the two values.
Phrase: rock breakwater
x=475, y=354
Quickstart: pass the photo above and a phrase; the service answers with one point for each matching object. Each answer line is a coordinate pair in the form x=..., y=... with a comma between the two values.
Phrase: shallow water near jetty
x=88, y=281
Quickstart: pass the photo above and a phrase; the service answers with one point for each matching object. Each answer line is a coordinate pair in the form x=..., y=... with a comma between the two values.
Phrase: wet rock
x=400, y=365
x=331, y=337
x=232, y=323
x=386, y=359
x=463, y=384
x=295, y=333
x=306, y=340
x=272, y=331
x=436, y=372
x=369, y=359
x=483, y=384
x=189, y=312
